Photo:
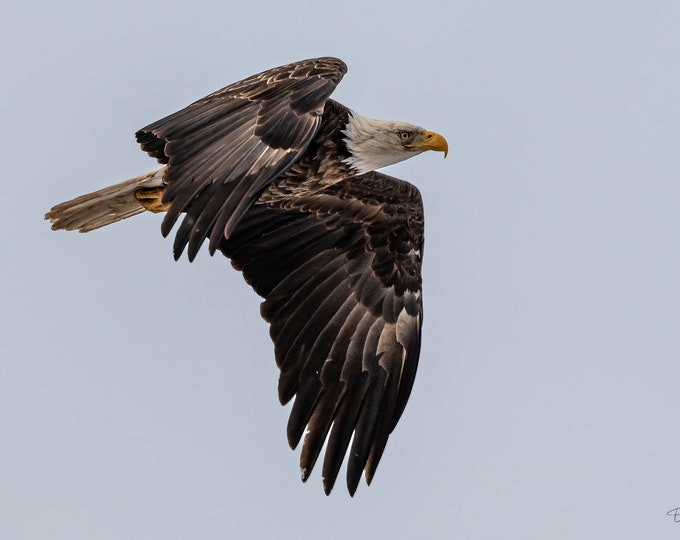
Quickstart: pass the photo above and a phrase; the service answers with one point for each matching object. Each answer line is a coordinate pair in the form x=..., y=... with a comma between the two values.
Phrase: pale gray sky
x=138, y=395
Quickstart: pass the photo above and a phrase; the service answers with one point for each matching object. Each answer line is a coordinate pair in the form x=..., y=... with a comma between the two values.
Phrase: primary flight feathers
x=280, y=179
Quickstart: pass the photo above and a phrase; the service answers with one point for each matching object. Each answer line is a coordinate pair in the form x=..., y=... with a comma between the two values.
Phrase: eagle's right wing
x=224, y=149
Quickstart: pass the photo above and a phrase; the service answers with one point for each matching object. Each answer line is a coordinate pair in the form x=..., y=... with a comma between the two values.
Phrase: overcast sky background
x=138, y=395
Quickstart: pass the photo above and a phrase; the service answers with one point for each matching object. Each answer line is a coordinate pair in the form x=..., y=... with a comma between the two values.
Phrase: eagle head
x=373, y=144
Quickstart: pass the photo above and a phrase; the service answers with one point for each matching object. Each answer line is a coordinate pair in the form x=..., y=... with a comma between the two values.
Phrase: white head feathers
x=378, y=143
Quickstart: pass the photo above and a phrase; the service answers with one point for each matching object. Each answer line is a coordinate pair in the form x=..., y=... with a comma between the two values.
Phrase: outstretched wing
x=340, y=274
x=224, y=149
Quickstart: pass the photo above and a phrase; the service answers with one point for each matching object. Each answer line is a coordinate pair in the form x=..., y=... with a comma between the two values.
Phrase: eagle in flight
x=281, y=179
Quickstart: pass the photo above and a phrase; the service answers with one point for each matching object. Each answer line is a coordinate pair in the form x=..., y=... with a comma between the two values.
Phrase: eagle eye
x=404, y=135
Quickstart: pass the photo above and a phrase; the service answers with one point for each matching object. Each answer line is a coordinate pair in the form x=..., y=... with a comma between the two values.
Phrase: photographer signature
x=675, y=514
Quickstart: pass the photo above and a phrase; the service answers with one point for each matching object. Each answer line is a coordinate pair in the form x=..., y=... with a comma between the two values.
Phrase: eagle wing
x=224, y=149
x=340, y=272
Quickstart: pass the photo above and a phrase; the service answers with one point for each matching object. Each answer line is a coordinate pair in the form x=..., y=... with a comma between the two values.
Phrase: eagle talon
x=152, y=199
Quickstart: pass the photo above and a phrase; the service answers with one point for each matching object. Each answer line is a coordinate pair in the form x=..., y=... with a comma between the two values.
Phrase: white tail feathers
x=103, y=207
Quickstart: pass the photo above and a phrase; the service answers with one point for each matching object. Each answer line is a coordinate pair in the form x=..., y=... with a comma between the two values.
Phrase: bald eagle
x=281, y=179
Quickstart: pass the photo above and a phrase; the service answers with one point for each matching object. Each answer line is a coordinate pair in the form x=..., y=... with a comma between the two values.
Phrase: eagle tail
x=120, y=201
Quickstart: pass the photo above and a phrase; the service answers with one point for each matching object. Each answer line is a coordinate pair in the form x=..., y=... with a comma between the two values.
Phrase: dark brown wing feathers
x=223, y=150
x=344, y=309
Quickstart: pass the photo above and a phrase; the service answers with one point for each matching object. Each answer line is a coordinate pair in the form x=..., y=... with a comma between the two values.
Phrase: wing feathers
x=319, y=425
x=343, y=427
x=346, y=329
x=364, y=432
x=233, y=143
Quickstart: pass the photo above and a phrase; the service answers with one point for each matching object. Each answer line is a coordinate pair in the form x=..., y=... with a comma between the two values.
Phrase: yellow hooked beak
x=432, y=141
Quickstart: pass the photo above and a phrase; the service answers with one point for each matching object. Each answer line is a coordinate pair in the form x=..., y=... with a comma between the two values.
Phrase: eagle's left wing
x=340, y=273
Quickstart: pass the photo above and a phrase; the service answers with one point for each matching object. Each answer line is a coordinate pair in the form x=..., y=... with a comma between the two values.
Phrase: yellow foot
x=151, y=199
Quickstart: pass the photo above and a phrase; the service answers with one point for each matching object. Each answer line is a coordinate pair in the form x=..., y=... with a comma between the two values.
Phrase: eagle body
x=281, y=179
